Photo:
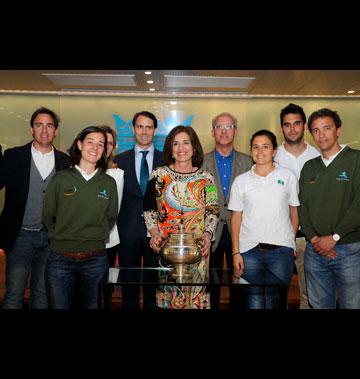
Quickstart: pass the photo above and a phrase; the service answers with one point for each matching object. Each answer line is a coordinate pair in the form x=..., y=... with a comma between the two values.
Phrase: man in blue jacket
x=134, y=244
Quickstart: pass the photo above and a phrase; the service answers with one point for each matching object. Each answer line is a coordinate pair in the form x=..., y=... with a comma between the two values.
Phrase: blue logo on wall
x=126, y=140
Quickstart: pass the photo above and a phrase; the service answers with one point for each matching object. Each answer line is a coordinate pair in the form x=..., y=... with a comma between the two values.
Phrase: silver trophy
x=181, y=249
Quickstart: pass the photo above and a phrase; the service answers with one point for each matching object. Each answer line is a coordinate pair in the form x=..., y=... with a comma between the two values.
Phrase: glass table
x=252, y=289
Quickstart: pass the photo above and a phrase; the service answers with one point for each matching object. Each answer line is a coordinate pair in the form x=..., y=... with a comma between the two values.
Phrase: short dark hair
x=198, y=156
x=145, y=114
x=43, y=110
x=75, y=153
x=294, y=109
x=325, y=112
x=266, y=133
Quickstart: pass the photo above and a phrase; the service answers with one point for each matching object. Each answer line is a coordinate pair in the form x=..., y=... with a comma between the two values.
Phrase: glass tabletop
x=166, y=275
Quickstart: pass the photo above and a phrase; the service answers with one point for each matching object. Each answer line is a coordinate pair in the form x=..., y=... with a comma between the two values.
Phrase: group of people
x=67, y=218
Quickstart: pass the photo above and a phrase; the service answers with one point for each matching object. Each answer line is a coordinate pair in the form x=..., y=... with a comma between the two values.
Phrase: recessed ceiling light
x=351, y=91
x=150, y=81
x=173, y=102
x=147, y=72
x=151, y=89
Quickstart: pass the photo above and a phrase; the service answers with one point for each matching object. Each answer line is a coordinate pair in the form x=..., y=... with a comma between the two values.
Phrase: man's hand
x=324, y=246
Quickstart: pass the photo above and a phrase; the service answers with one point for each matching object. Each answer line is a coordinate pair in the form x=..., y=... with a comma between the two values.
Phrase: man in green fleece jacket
x=330, y=216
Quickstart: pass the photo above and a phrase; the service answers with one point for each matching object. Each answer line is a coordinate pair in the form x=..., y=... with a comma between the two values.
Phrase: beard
x=294, y=141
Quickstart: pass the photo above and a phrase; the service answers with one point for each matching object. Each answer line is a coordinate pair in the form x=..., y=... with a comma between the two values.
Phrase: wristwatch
x=336, y=237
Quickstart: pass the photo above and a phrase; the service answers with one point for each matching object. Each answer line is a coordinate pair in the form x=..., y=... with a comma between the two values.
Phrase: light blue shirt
x=138, y=157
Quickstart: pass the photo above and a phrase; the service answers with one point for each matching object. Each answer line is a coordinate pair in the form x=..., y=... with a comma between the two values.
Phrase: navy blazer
x=15, y=177
x=131, y=223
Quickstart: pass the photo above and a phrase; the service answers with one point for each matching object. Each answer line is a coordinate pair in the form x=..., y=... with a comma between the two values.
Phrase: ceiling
x=187, y=82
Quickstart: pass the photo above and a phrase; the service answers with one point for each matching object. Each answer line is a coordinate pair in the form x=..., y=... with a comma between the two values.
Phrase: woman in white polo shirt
x=264, y=218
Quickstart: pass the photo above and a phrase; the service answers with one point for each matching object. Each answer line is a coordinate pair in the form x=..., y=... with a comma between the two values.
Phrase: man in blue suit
x=134, y=244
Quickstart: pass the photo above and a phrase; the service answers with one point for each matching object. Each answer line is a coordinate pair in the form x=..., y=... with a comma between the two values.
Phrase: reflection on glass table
x=253, y=289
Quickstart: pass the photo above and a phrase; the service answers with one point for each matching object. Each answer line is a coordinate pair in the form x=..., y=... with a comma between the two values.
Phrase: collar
x=335, y=155
x=219, y=155
x=85, y=174
x=253, y=173
x=283, y=148
x=37, y=152
x=150, y=149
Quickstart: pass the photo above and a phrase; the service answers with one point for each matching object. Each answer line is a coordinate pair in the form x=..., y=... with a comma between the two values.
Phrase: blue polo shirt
x=224, y=165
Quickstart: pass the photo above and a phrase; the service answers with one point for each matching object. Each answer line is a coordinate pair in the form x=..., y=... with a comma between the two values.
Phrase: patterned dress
x=173, y=198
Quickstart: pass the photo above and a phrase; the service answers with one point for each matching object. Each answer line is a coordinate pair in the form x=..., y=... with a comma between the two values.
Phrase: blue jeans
x=27, y=258
x=62, y=273
x=326, y=278
x=280, y=262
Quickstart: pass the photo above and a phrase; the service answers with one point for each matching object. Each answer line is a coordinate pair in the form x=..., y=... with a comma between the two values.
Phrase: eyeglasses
x=224, y=126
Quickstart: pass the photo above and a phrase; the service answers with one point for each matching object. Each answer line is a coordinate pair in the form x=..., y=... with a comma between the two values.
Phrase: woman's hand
x=155, y=240
x=205, y=249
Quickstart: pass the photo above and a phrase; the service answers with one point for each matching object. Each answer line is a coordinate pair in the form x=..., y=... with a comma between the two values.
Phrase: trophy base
x=182, y=273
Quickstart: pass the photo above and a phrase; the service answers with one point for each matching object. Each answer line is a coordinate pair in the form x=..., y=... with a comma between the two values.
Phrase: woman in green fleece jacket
x=80, y=208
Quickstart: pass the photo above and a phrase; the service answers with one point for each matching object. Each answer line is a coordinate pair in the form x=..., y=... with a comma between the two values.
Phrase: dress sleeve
x=211, y=208
x=150, y=206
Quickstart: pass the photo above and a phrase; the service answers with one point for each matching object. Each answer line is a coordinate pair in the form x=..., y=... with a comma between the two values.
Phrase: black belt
x=267, y=246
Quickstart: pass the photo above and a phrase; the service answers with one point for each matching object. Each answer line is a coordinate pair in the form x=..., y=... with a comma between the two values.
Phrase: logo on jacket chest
x=103, y=194
x=70, y=191
x=343, y=176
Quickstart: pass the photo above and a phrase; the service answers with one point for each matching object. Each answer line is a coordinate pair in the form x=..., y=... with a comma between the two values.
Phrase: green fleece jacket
x=79, y=214
x=330, y=197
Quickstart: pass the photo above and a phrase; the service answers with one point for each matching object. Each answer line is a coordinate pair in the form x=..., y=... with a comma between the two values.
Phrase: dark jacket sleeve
x=304, y=217
x=150, y=196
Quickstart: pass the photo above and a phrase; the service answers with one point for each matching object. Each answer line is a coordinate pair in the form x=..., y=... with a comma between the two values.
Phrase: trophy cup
x=181, y=249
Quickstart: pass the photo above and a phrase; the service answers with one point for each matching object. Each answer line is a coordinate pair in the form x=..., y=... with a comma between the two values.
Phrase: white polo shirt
x=295, y=164
x=265, y=203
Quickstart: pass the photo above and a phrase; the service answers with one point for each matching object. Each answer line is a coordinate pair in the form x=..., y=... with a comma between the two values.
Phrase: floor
x=293, y=298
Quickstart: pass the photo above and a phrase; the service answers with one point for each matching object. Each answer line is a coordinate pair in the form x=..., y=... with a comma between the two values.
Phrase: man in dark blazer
x=225, y=163
x=25, y=172
x=134, y=244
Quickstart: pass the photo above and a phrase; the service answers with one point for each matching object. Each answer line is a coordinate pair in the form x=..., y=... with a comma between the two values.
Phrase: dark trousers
x=111, y=253
x=135, y=253
x=223, y=249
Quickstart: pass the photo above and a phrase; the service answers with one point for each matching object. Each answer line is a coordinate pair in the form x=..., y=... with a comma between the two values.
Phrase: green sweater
x=330, y=197
x=79, y=214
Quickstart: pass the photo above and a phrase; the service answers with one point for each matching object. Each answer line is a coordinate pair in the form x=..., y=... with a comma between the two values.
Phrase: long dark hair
x=198, y=155
x=75, y=153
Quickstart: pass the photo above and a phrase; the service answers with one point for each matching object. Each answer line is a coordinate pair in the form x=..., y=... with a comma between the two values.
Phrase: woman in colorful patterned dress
x=182, y=193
